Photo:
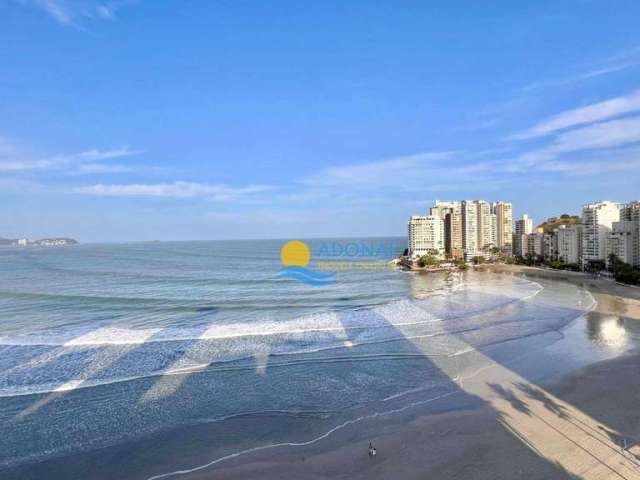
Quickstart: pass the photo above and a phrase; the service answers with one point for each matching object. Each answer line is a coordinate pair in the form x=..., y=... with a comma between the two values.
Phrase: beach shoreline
x=469, y=439
x=613, y=298
x=497, y=425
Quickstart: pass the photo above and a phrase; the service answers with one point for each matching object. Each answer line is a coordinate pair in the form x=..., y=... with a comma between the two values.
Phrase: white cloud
x=173, y=190
x=593, y=167
x=17, y=159
x=604, y=66
x=404, y=178
x=596, y=72
x=99, y=168
x=613, y=141
x=581, y=116
x=377, y=174
x=600, y=135
x=70, y=12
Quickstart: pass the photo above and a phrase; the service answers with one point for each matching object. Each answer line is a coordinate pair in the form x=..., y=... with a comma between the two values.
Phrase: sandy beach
x=497, y=425
x=587, y=425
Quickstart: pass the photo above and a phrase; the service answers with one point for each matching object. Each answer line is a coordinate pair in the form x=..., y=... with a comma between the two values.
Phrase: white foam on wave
x=102, y=356
x=380, y=317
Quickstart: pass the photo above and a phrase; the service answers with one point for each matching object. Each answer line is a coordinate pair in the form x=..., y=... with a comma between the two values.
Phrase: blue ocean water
x=101, y=344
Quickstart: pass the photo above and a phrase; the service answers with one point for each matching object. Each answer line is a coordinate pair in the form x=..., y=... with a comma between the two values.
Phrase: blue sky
x=138, y=120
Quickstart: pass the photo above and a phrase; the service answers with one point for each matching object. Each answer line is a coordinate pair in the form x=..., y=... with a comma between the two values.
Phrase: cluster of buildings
x=43, y=242
x=604, y=228
x=471, y=228
x=462, y=230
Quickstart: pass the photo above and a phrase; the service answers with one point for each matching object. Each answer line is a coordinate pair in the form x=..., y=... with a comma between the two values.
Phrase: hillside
x=564, y=219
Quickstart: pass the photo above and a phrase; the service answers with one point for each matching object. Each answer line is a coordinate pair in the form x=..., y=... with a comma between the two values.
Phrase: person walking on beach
x=372, y=450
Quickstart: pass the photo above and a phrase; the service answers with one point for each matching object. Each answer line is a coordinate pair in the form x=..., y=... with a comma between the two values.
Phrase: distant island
x=42, y=242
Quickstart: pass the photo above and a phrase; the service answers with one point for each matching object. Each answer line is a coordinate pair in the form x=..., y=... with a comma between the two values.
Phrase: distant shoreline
x=595, y=285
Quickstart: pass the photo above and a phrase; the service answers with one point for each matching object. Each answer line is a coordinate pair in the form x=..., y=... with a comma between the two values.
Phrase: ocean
x=106, y=344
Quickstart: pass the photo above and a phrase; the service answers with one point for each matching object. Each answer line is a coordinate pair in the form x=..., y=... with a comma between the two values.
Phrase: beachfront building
x=486, y=224
x=549, y=247
x=535, y=245
x=426, y=235
x=523, y=226
x=494, y=229
x=624, y=239
x=597, y=221
x=470, y=240
x=473, y=227
x=623, y=242
x=451, y=215
x=569, y=244
x=504, y=226
x=630, y=212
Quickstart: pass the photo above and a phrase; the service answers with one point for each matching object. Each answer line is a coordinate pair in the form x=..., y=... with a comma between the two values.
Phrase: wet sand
x=613, y=298
x=501, y=426
x=497, y=425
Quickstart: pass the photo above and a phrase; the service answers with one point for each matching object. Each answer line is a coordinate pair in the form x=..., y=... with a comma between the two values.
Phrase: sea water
x=101, y=344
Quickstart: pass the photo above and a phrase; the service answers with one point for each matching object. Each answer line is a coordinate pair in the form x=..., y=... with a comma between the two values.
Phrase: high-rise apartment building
x=494, y=229
x=470, y=241
x=569, y=243
x=504, y=225
x=486, y=224
x=624, y=239
x=535, y=245
x=451, y=214
x=597, y=222
x=471, y=227
x=623, y=242
x=549, y=247
x=523, y=226
x=426, y=235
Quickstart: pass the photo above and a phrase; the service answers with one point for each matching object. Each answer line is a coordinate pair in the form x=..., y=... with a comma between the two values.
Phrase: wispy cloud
x=174, y=190
x=406, y=176
x=600, y=135
x=72, y=12
x=598, y=167
x=102, y=168
x=596, y=112
x=596, y=72
x=614, y=134
x=378, y=173
x=615, y=63
x=14, y=158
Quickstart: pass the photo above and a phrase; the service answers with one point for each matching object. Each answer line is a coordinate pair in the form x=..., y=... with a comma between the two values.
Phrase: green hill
x=564, y=219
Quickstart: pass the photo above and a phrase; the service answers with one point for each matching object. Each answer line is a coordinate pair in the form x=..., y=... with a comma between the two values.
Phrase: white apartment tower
x=486, y=224
x=494, y=229
x=523, y=226
x=624, y=239
x=426, y=234
x=451, y=214
x=623, y=242
x=504, y=225
x=470, y=241
x=597, y=222
x=550, y=247
x=535, y=244
x=569, y=243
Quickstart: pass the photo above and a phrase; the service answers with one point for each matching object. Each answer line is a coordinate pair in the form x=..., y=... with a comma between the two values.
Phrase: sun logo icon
x=295, y=256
